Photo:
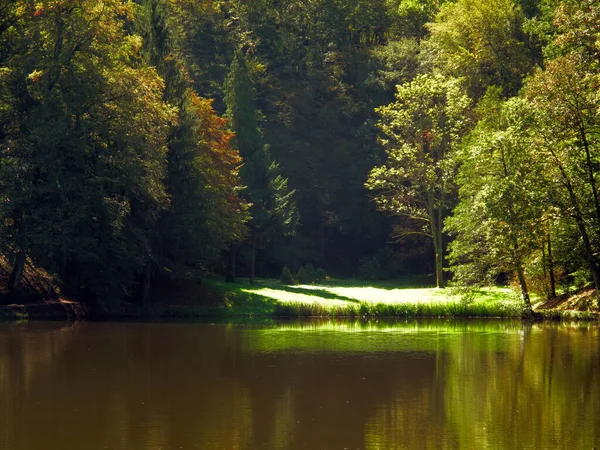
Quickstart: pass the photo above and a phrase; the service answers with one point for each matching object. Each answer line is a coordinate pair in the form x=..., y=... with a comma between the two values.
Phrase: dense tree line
x=372, y=138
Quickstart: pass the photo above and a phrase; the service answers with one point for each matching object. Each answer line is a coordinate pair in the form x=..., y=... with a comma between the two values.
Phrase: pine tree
x=202, y=180
x=272, y=204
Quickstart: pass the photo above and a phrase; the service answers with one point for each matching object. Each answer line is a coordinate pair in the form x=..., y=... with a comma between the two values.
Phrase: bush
x=383, y=265
x=320, y=274
x=302, y=276
x=310, y=272
x=286, y=276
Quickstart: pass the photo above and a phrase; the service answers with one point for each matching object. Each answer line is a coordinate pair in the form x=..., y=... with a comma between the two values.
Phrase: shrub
x=286, y=276
x=302, y=276
x=320, y=274
x=383, y=265
x=310, y=272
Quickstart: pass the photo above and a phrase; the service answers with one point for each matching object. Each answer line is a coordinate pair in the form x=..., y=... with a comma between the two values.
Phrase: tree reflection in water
x=297, y=386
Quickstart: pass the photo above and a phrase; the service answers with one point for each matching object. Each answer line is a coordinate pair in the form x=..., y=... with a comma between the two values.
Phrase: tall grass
x=400, y=310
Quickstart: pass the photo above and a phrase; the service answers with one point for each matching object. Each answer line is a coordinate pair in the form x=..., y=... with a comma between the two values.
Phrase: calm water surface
x=318, y=385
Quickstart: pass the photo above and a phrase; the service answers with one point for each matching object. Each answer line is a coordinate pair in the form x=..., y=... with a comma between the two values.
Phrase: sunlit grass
x=338, y=296
x=350, y=298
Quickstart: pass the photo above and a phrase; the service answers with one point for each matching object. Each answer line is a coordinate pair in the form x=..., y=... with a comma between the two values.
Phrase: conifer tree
x=272, y=203
x=205, y=210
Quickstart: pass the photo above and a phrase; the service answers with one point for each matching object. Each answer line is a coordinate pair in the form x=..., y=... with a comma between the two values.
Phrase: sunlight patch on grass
x=325, y=295
x=351, y=298
x=393, y=296
x=295, y=297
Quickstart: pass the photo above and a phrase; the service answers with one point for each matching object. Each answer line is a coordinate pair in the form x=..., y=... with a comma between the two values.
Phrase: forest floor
x=213, y=298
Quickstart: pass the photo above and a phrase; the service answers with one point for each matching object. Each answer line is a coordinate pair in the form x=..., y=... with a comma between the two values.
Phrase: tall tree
x=272, y=204
x=83, y=160
x=497, y=224
x=420, y=132
x=205, y=211
x=564, y=95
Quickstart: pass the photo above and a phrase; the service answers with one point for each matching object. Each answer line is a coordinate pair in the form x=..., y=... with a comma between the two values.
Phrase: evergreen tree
x=272, y=205
x=206, y=211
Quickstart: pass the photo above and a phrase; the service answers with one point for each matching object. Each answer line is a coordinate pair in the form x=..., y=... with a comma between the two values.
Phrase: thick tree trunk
x=230, y=277
x=16, y=277
x=551, y=269
x=252, y=258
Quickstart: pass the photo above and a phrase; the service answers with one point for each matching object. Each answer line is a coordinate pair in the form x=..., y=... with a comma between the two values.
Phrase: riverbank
x=405, y=298
x=214, y=299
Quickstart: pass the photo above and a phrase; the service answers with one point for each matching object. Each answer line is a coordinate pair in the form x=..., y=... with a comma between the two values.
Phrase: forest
x=155, y=140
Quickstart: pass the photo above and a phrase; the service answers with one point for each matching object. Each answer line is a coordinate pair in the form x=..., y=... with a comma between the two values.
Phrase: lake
x=299, y=385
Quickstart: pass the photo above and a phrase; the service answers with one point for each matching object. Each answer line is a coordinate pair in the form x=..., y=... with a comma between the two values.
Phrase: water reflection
x=310, y=385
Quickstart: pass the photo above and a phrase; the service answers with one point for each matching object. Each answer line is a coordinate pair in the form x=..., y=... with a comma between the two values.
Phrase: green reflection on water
x=300, y=385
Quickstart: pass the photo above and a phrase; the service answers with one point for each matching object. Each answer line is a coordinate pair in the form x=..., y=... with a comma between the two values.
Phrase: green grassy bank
x=215, y=299
x=351, y=298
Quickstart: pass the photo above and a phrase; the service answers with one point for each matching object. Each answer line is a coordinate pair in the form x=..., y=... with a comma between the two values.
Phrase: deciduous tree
x=420, y=132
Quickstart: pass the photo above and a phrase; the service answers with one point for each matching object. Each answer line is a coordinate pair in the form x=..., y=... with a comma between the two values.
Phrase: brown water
x=323, y=385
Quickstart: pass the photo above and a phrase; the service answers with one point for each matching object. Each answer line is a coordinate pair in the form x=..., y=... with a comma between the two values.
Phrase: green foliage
x=113, y=165
x=497, y=223
x=396, y=62
x=420, y=131
x=87, y=136
x=481, y=42
x=303, y=277
x=308, y=274
x=205, y=212
x=412, y=15
x=272, y=204
x=320, y=275
x=111, y=180
x=286, y=276
x=384, y=265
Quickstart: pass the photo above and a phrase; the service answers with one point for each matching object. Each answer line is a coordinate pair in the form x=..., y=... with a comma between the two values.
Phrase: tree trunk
x=524, y=290
x=252, y=257
x=435, y=225
x=578, y=216
x=589, y=253
x=592, y=181
x=16, y=277
x=551, y=269
x=439, y=267
x=436, y=234
x=230, y=277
